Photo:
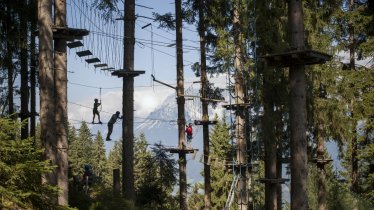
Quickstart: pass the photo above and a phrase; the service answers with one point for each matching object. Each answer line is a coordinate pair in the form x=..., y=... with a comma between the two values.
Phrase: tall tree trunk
x=180, y=102
x=204, y=90
x=33, y=23
x=240, y=115
x=279, y=173
x=352, y=67
x=321, y=169
x=270, y=141
x=24, y=72
x=61, y=116
x=9, y=62
x=298, y=118
x=128, y=188
x=46, y=73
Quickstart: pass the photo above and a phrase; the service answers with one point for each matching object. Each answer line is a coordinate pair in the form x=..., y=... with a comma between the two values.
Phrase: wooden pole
x=9, y=62
x=33, y=69
x=61, y=115
x=298, y=118
x=128, y=189
x=180, y=101
x=204, y=90
x=116, y=182
x=240, y=116
x=321, y=181
x=46, y=88
x=24, y=73
x=270, y=140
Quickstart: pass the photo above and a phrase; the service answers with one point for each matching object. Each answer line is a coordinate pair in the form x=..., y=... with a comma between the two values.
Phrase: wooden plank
x=273, y=181
x=100, y=65
x=84, y=53
x=74, y=44
x=92, y=60
x=122, y=73
x=107, y=69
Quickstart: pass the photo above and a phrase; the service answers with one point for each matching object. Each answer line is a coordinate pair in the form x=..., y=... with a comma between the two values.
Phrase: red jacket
x=189, y=131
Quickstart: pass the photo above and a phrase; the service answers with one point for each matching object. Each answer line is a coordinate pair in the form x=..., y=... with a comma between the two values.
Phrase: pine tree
x=221, y=177
x=99, y=161
x=80, y=150
x=21, y=169
x=155, y=172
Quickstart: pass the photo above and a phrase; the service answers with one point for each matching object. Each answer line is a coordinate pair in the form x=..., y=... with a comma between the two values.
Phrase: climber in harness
x=111, y=122
x=96, y=111
x=189, y=134
x=87, y=175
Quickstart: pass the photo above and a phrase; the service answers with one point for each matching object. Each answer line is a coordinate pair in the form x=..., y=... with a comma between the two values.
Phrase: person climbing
x=96, y=111
x=189, y=134
x=111, y=122
x=87, y=175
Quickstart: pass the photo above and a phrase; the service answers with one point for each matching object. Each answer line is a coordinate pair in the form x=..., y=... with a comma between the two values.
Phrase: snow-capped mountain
x=161, y=126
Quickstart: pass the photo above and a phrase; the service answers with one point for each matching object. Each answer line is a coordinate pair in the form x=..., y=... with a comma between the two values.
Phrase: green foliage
x=99, y=161
x=80, y=149
x=21, y=170
x=100, y=198
x=155, y=171
x=196, y=198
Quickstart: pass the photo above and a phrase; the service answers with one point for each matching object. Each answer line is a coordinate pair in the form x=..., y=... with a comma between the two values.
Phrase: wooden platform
x=321, y=161
x=202, y=122
x=235, y=106
x=70, y=34
x=299, y=57
x=181, y=150
x=123, y=73
x=273, y=181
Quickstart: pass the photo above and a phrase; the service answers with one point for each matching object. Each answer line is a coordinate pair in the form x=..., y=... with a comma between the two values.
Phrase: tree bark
x=240, y=116
x=9, y=62
x=204, y=89
x=24, y=73
x=128, y=188
x=181, y=102
x=47, y=103
x=33, y=64
x=321, y=169
x=270, y=141
x=61, y=114
x=298, y=118
x=279, y=174
x=352, y=67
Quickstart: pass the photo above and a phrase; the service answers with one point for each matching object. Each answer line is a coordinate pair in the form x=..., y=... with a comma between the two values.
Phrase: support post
x=61, y=114
x=270, y=140
x=24, y=73
x=180, y=101
x=204, y=87
x=34, y=8
x=46, y=88
x=241, y=152
x=116, y=182
x=128, y=189
x=321, y=170
x=298, y=118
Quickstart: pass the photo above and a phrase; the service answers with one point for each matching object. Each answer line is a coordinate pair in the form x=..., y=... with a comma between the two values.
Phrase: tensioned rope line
x=155, y=119
x=138, y=86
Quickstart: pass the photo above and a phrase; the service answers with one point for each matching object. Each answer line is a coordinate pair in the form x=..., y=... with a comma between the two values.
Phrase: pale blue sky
x=147, y=97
